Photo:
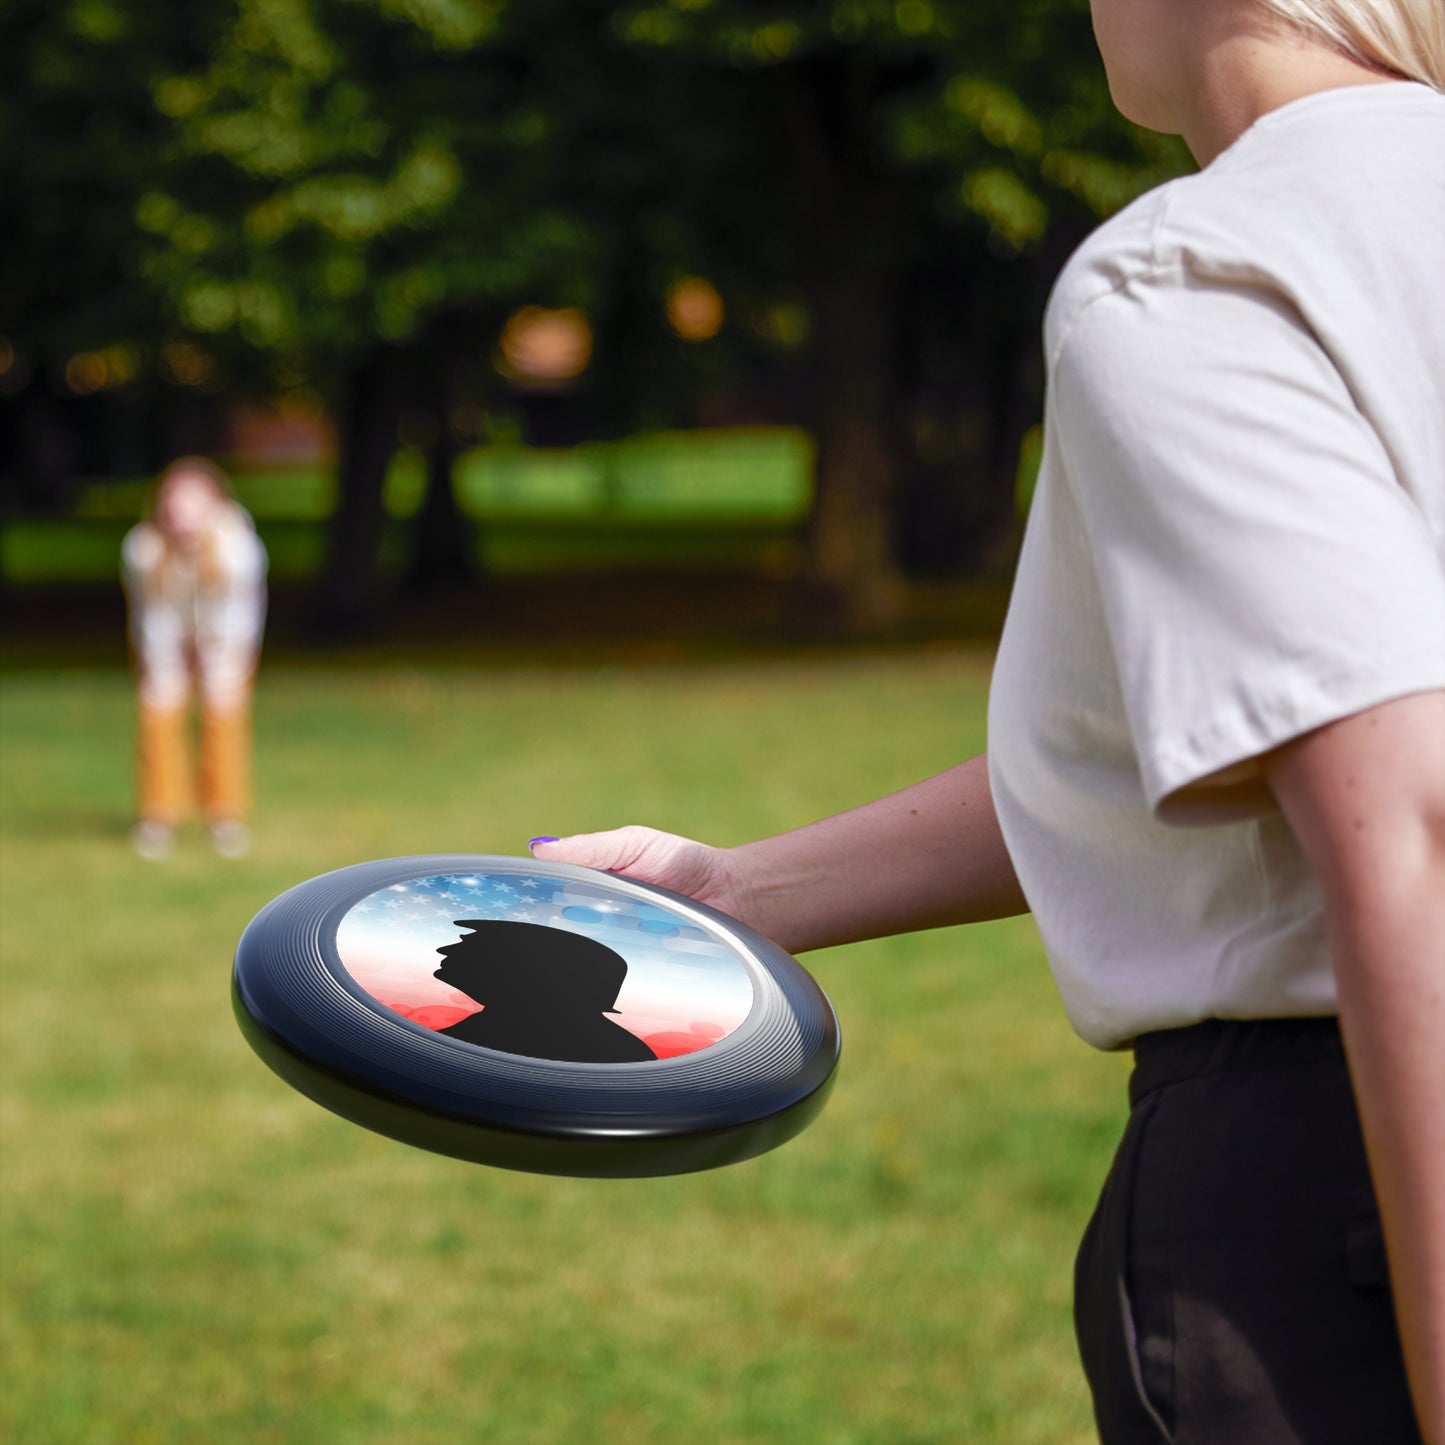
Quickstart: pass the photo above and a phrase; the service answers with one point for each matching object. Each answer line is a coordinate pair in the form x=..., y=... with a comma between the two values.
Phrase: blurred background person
x=195, y=582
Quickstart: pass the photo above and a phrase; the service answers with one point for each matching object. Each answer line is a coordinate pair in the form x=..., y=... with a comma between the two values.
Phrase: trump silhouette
x=544, y=992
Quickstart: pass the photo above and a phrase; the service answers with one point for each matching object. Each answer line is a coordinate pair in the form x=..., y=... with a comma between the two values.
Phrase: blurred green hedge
x=734, y=496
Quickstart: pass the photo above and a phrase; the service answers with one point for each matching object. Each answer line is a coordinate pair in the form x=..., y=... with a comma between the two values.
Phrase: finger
x=611, y=851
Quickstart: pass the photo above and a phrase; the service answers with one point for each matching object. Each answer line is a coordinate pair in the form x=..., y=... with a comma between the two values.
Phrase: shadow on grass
x=576, y=620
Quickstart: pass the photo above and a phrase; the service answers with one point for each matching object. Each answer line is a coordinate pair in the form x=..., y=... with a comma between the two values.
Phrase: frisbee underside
x=308, y=1019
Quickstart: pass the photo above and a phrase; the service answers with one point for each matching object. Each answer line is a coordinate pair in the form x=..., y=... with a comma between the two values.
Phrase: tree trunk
x=852, y=561
x=974, y=387
x=442, y=558
x=349, y=601
x=849, y=264
x=46, y=451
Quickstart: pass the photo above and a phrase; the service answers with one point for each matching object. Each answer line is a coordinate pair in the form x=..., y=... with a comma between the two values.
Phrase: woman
x=195, y=582
x=1217, y=759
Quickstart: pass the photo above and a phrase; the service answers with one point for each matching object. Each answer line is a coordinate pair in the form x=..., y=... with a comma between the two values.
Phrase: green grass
x=192, y=1252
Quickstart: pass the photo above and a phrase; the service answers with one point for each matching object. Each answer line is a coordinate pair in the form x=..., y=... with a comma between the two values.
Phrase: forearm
x=1389, y=952
x=926, y=857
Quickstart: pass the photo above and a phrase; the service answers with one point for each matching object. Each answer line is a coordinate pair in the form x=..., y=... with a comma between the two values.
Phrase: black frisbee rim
x=318, y=1029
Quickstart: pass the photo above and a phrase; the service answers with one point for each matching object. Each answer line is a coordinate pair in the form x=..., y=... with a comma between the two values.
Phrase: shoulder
x=239, y=548
x=624, y=1046
x=142, y=549
x=1115, y=256
x=1201, y=230
x=236, y=521
x=1338, y=190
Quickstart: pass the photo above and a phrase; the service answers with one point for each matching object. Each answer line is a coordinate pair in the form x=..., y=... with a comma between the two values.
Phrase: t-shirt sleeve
x=1263, y=571
x=140, y=555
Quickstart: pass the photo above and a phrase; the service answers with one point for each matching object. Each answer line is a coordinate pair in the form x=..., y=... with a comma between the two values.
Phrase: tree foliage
x=353, y=194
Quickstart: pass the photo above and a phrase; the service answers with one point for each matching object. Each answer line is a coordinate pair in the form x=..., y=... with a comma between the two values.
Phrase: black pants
x=1231, y=1288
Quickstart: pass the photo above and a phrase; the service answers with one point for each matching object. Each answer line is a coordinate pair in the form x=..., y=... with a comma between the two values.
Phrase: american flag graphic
x=685, y=988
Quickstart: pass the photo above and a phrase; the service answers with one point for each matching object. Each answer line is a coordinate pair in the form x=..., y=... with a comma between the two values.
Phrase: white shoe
x=231, y=839
x=152, y=840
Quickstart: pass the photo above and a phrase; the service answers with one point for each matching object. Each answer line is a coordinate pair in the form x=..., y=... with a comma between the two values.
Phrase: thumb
x=613, y=851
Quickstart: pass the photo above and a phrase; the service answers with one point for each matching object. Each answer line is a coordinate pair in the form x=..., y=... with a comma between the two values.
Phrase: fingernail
x=532, y=843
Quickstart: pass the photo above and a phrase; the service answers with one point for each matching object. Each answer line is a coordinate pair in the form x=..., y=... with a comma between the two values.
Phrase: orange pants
x=163, y=762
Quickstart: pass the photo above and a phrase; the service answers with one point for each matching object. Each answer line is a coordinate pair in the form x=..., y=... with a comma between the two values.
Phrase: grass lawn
x=192, y=1252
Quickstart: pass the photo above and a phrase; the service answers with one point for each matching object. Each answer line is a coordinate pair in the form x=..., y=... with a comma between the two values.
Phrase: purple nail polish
x=532, y=843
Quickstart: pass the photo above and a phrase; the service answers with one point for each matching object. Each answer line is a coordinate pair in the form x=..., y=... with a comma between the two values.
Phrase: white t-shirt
x=1238, y=536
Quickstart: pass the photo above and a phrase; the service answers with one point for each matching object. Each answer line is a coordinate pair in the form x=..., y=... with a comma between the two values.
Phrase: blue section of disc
x=585, y=915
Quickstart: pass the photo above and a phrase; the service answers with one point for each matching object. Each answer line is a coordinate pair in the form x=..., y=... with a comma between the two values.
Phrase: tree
x=352, y=195
x=921, y=142
x=79, y=139
x=358, y=181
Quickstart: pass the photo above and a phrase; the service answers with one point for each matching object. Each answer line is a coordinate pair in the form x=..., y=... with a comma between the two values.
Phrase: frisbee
x=535, y=1016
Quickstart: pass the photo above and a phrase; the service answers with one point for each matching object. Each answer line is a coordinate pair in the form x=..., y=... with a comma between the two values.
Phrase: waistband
x=1226, y=1046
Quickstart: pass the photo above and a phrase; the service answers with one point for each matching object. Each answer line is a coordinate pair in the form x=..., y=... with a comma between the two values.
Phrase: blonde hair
x=1404, y=37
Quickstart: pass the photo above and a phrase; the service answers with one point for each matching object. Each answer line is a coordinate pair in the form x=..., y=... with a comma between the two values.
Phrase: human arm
x=1365, y=797
x=156, y=626
x=925, y=857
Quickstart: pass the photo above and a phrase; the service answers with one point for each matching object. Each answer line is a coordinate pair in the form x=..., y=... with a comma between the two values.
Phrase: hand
x=710, y=875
